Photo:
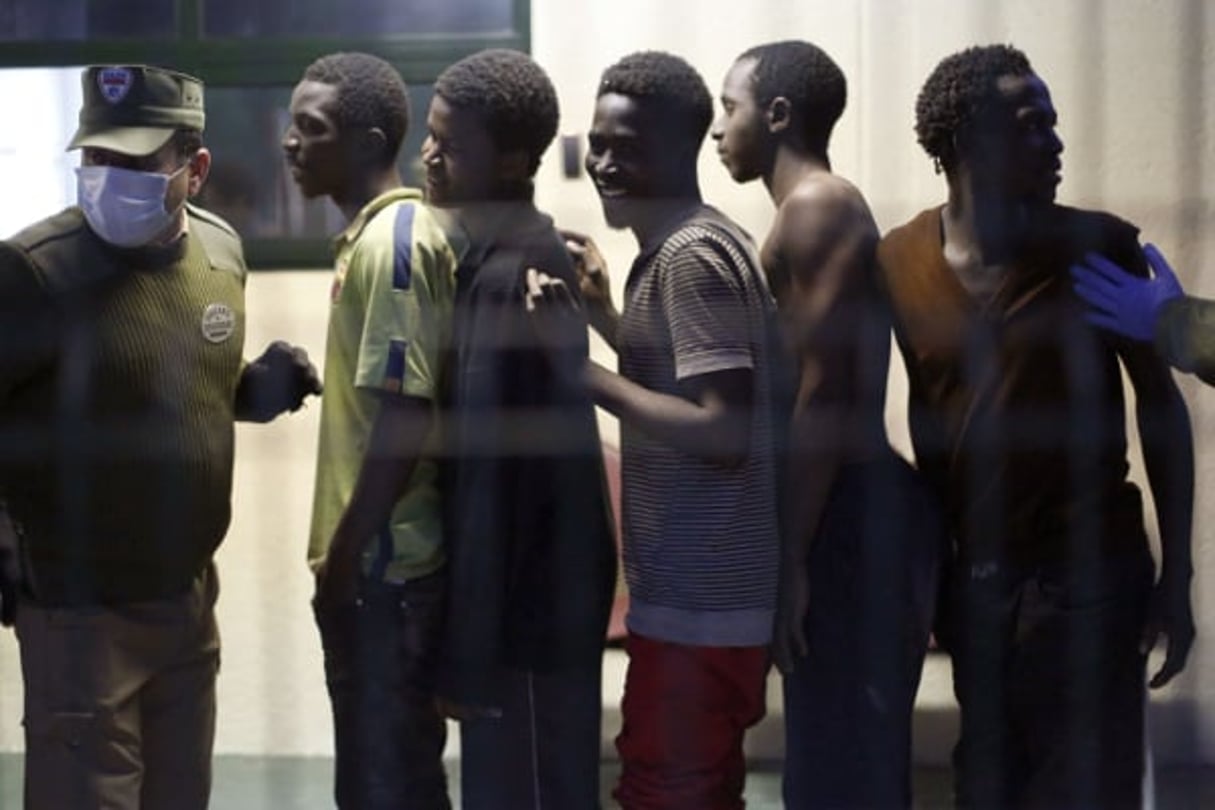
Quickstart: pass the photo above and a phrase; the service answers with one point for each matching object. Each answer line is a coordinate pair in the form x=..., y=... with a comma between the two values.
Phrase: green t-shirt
x=389, y=319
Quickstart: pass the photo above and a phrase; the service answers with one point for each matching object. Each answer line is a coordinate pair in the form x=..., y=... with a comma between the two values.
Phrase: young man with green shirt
x=120, y=379
x=376, y=543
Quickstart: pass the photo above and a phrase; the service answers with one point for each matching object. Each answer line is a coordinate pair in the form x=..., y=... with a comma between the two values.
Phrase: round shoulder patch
x=218, y=322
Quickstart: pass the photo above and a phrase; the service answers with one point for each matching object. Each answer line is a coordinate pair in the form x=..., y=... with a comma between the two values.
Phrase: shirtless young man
x=859, y=535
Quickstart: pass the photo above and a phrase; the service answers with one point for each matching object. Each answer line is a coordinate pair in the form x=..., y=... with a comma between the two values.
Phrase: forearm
x=380, y=485
x=394, y=447
x=1169, y=460
x=605, y=320
x=717, y=433
x=814, y=460
x=1185, y=336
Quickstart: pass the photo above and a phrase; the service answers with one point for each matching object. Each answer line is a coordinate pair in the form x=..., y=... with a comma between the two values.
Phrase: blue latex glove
x=1121, y=302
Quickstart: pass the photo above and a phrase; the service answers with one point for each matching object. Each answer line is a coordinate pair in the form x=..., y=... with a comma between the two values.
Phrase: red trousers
x=685, y=712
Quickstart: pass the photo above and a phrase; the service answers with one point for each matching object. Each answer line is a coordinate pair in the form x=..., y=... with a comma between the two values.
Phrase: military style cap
x=134, y=109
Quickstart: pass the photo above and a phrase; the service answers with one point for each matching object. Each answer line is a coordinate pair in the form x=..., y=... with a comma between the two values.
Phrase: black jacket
x=531, y=557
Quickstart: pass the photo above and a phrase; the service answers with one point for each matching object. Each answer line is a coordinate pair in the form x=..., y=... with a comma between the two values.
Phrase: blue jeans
x=380, y=658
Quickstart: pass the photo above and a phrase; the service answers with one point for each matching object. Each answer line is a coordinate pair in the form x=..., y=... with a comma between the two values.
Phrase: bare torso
x=819, y=258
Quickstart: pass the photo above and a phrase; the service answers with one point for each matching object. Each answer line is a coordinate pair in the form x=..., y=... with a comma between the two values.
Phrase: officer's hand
x=1121, y=302
x=277, y=381
x=1170, y=615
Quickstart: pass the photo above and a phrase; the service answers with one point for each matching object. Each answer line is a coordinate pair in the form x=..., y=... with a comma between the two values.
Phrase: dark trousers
x=380, y=658
x=542, y=752
x=1050, y=681
x=873, y=568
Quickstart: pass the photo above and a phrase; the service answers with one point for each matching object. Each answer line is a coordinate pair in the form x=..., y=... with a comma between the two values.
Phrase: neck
x=176, y=229
x=366, y=188
x=992, y=225
x=790, y=166
x=676, y=191
x=658, y=215
x=482, y=212
x=515, y=191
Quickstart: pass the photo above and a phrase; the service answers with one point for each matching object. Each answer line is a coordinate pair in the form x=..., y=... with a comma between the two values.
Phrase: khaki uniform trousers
x=120, y=702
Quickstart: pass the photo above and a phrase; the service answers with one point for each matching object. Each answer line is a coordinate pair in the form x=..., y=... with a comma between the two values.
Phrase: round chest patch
x=218, y=322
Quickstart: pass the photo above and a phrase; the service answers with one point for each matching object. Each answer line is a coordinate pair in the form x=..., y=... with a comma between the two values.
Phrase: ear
x=961, y=144
x=372, y=144
x=779, y=115
x=200, y=167
x=514, y=166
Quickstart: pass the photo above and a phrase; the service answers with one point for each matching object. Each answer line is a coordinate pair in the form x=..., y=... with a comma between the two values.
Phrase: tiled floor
x=301, y=783
x=298, y=783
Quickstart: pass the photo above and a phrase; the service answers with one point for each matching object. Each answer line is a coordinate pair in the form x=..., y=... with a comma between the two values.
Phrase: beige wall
x=1131, y=81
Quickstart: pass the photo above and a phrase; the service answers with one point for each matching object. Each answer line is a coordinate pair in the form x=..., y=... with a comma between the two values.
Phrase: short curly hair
x=512, y=92
x=805, y=75
x=370, y=93
x=678, y=93
x=959, y=90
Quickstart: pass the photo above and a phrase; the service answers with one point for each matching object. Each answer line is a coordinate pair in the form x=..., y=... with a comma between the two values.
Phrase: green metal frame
x=267, y=62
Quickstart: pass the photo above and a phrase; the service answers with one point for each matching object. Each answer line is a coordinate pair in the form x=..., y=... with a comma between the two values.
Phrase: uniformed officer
x=122, y=323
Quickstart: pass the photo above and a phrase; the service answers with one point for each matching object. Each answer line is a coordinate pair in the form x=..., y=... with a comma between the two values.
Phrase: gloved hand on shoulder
x=1121, y=302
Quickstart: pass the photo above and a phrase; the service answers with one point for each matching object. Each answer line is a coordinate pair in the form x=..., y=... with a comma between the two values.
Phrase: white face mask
x=124, y=207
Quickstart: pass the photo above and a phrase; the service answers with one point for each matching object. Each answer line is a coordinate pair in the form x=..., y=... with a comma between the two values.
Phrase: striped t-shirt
x=700, y=539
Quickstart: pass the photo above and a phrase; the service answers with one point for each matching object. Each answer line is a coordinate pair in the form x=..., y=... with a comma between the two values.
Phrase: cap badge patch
x=114, y=83
x=218, y=322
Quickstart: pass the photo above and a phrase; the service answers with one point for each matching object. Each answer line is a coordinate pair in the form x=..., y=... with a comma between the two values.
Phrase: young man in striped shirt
x=698, y=471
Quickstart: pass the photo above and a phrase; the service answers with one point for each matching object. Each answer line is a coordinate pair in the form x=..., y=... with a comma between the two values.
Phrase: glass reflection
x=78, y=20
x=354, y=18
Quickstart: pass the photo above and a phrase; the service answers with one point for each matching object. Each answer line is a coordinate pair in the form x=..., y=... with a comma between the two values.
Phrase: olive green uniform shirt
x=1185, y=335
x=118, y=377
